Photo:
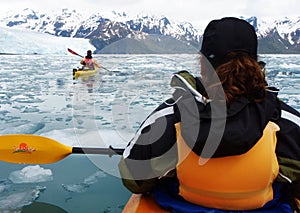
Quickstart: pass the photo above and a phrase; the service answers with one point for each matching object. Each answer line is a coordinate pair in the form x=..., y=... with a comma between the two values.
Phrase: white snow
x=70, y=20
x=285, y=26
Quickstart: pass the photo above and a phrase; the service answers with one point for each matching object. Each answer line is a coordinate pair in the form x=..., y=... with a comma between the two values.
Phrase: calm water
x=39, y=96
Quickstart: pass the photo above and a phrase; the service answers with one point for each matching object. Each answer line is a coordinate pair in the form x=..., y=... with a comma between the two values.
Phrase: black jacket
x=213, y=130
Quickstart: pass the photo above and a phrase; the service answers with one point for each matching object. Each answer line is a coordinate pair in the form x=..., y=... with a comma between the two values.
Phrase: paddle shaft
x=104, y=151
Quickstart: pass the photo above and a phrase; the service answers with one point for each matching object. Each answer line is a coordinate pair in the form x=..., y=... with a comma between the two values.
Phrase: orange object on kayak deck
x=139, y=203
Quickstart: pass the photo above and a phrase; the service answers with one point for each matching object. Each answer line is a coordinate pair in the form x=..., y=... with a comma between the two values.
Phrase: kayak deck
x=139, y=203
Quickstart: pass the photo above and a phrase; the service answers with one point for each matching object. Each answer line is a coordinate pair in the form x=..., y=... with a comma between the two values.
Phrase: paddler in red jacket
x=88, y=62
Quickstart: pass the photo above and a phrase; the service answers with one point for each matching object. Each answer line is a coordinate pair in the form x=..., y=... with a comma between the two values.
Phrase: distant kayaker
x=224, y=141
x=88, y=62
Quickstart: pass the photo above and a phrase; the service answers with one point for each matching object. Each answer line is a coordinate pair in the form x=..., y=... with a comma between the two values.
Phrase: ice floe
x=31, y=174
x=85, y=184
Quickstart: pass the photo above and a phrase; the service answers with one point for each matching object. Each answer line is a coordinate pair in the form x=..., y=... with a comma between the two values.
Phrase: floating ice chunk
x=31, y=174
x=26, y=99
x=25, y=128
x=30, y=109
x=2, y=186
x=87, y=182
x=94, y=178
x=17, y=198
x=78, y=188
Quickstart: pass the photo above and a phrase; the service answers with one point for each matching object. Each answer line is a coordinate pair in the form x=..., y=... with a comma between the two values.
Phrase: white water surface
x=39, y=96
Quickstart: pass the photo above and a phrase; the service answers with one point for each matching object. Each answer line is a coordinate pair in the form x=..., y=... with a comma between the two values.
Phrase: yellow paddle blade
x=31, y=149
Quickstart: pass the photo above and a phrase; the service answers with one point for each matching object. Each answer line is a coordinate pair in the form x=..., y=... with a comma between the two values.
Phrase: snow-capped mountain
x=280, y=35
x=120, y=33
x=103, y=31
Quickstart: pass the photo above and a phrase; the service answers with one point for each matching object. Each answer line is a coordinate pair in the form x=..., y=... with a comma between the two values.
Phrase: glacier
x=17, y=41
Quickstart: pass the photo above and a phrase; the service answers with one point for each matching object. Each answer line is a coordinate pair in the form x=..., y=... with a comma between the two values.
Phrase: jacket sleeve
x=138, y=184
x=152, y=153
x=288, y=148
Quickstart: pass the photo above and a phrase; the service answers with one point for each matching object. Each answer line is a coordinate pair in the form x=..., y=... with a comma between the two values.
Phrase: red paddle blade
x=73, y=52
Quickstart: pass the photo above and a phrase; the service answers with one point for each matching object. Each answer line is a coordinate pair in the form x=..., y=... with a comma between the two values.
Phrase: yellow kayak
x=139, y=203
x=78, y=73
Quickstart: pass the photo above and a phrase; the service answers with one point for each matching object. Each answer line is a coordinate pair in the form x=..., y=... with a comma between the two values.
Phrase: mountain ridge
x=146, y=33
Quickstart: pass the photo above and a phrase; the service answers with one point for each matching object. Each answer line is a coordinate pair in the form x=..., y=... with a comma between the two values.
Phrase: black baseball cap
x=226, y=35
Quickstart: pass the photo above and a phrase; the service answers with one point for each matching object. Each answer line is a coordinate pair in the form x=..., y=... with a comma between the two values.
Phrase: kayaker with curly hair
x=224, y=142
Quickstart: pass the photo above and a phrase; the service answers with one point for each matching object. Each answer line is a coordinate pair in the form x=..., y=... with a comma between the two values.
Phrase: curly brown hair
x=240, y=76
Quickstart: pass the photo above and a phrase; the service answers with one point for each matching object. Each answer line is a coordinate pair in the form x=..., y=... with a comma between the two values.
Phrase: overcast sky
x=198, y=12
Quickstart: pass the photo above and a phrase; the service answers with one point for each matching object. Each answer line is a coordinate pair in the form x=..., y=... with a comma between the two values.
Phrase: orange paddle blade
x=31, y=149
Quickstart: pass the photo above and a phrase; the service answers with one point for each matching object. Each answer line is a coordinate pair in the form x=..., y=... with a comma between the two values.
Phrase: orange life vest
x=240, y=182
